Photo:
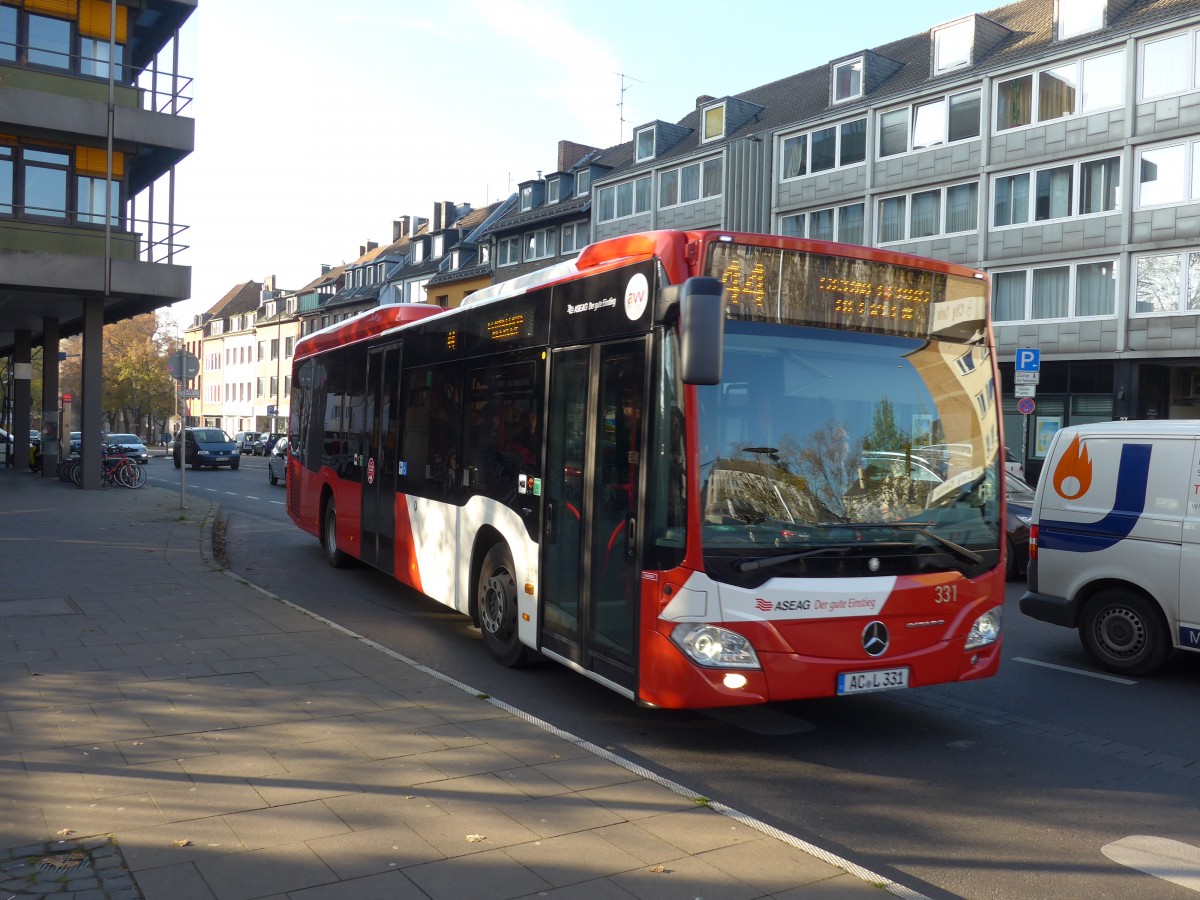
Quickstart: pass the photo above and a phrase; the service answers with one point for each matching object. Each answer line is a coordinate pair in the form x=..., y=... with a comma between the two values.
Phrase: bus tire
x=335, y=556
x=496, y=596
x=1123, y=631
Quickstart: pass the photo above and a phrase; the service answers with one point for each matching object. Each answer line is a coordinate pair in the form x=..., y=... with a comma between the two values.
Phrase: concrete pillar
x=93, y=392
x=51, y=417
x=22, y=391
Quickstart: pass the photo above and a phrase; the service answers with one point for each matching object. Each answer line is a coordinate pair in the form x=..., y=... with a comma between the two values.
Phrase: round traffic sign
x=1025, y=406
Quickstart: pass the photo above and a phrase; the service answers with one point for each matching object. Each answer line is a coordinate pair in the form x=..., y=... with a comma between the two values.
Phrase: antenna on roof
x=621, y=104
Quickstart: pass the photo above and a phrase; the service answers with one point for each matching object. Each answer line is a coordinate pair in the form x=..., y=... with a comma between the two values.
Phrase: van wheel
x=1124, y=632
x=497, y=599
x=1011, y=568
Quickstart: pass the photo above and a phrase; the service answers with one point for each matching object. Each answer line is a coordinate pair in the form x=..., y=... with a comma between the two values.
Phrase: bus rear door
x=590, y=572
x=382, y=427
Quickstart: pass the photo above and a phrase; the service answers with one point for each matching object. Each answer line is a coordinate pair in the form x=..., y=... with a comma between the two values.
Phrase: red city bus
x=701, y=468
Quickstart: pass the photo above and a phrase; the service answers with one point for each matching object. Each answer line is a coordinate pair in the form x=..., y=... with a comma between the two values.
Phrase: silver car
x=128, y=444
x=277, y=462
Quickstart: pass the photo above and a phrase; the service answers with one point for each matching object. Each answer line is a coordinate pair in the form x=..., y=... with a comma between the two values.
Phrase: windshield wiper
x=766, y=562
x=919, y=528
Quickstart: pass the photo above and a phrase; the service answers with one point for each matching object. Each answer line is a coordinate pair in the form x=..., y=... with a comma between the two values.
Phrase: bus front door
x=590, y=538
x=382, y=428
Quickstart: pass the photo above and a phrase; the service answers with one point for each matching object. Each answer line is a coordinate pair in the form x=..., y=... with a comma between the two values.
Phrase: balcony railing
x=82, y=234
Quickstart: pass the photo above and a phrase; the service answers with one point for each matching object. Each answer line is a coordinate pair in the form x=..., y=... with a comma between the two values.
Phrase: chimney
x=570, y=153
x=325, y=267
x=443, y=215
x=371, y=245
x=702, y=99
x=400, y=228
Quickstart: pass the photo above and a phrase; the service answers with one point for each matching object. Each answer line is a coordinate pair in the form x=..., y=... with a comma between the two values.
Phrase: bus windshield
x=849, y=444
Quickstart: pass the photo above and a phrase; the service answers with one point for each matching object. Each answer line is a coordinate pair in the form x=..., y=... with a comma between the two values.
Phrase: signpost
x=183, y=366
x=1026, y=372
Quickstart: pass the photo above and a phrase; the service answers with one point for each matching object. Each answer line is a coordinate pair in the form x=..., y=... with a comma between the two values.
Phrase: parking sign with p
x=1029, y=359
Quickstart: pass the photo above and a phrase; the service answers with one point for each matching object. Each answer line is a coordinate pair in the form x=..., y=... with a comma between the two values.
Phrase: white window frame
x=583, y=182
x=1190, y=175
x=1187, y=284
x=1072, y=315
x=858, y=62
x=1075, y=209
x=705, y=135
x=838, y=213
x=1081, y=106
x=943, y=213
x=807, y=135
x=508, y=251
x=527, y=198
x=616, y=195
x=439, y=243
x=1192, y=80
x=638, y=155
x=540, y=244
x=947, y=35
x=1085, y=16
x=553, y=190
x=701, y=165
x=910, y=123
x=579, y=237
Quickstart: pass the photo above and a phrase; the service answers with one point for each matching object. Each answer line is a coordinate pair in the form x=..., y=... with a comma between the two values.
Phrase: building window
x=94, y=58
x=8, y=33
x=623, y=200
x=848, y=80
x=540, y=244
x=850, y=223
x=274, y=348
x=1169, y=66
x=288, y=344
x=49, y=42
x=508, y=251
x=553, y=187
x=714, y=122
x=843, y=223
x=7, y=171
x=690, y=183
x=439, y=243
x=1075, y=88
x=91, y=194
x=952, y=46
x=1167, y=284
x=792, y=226
x=1047, y=194
x=1079, y=290
x=644, y=142
x=583, y=182
x=527, y=198
x=1076, y=17
x=46, y=183
x=574, y=237
x=1169, y=174
x=824, y=149
x=934, y=122
x=925, y=214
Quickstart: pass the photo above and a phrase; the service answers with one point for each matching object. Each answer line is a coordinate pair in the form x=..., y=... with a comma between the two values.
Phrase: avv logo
x=1128, y=504
x=1189, y=637
x=637, y=297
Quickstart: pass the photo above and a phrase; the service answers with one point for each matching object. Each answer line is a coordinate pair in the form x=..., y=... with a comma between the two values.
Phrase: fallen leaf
x=476, y=838
x=658, y=869
x=182, y=842
x=63, y=832
x=137, y=743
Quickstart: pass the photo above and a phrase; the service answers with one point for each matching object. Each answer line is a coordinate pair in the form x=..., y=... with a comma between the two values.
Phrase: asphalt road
x=1012, y=787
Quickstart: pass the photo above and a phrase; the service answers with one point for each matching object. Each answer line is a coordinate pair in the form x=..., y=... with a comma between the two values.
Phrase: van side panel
x=1111, y=508
x=1188, y=631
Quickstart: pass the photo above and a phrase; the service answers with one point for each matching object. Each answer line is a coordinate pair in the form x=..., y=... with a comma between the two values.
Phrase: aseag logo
x=637, y=297
x=1073, y=474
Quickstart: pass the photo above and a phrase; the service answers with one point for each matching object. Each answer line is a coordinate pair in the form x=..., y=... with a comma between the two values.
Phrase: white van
x=1115, y=540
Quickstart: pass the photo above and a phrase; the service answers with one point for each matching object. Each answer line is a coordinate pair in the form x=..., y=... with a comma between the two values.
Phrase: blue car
x=211, y=447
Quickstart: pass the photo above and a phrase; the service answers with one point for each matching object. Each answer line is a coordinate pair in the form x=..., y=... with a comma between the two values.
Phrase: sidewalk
x=169, y=731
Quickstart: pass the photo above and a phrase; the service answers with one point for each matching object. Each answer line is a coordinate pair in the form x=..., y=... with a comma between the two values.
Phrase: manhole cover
x=62, y=862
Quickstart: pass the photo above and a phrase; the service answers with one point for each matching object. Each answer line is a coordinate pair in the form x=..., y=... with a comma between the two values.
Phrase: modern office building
x=86, y=197
x=1053, y=143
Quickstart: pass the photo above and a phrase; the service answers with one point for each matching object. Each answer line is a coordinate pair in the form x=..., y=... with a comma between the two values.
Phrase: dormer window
x=455, y=256
x=418, y=252
x=583, y=182
x=848, y=80
x=1076, y=17
x=644, y=142
x=952, y=46
x=527, y=198
x=553, y=190
x=714, y=122
x=439, y=242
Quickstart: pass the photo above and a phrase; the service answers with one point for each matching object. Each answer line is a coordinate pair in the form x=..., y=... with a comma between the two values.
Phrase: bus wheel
x=335, y=556
x=1123, y=632
x=497, y=597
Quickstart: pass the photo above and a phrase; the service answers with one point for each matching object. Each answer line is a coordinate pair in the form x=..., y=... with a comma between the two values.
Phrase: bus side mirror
x=701, y=329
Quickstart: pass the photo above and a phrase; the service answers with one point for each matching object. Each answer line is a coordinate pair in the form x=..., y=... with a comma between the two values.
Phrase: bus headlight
x=718, y=648
x=986, y=630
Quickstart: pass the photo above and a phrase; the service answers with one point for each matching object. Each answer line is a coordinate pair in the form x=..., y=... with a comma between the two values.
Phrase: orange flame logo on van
x=1073, y=474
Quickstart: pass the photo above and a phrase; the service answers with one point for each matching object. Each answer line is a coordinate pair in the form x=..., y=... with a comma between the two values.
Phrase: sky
x=318, y=123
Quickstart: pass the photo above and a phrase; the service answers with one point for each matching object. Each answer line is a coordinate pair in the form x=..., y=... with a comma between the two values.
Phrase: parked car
x=277, y=462
x=245, y=440
x=207, y=447
x=76, y=442
x=1017, y=516
x=129, y=444
x=1012, y=465
x=264, y=442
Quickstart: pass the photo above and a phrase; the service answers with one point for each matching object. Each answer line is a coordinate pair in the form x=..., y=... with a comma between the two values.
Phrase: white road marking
x=1046, y=665
x=1163, y=858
